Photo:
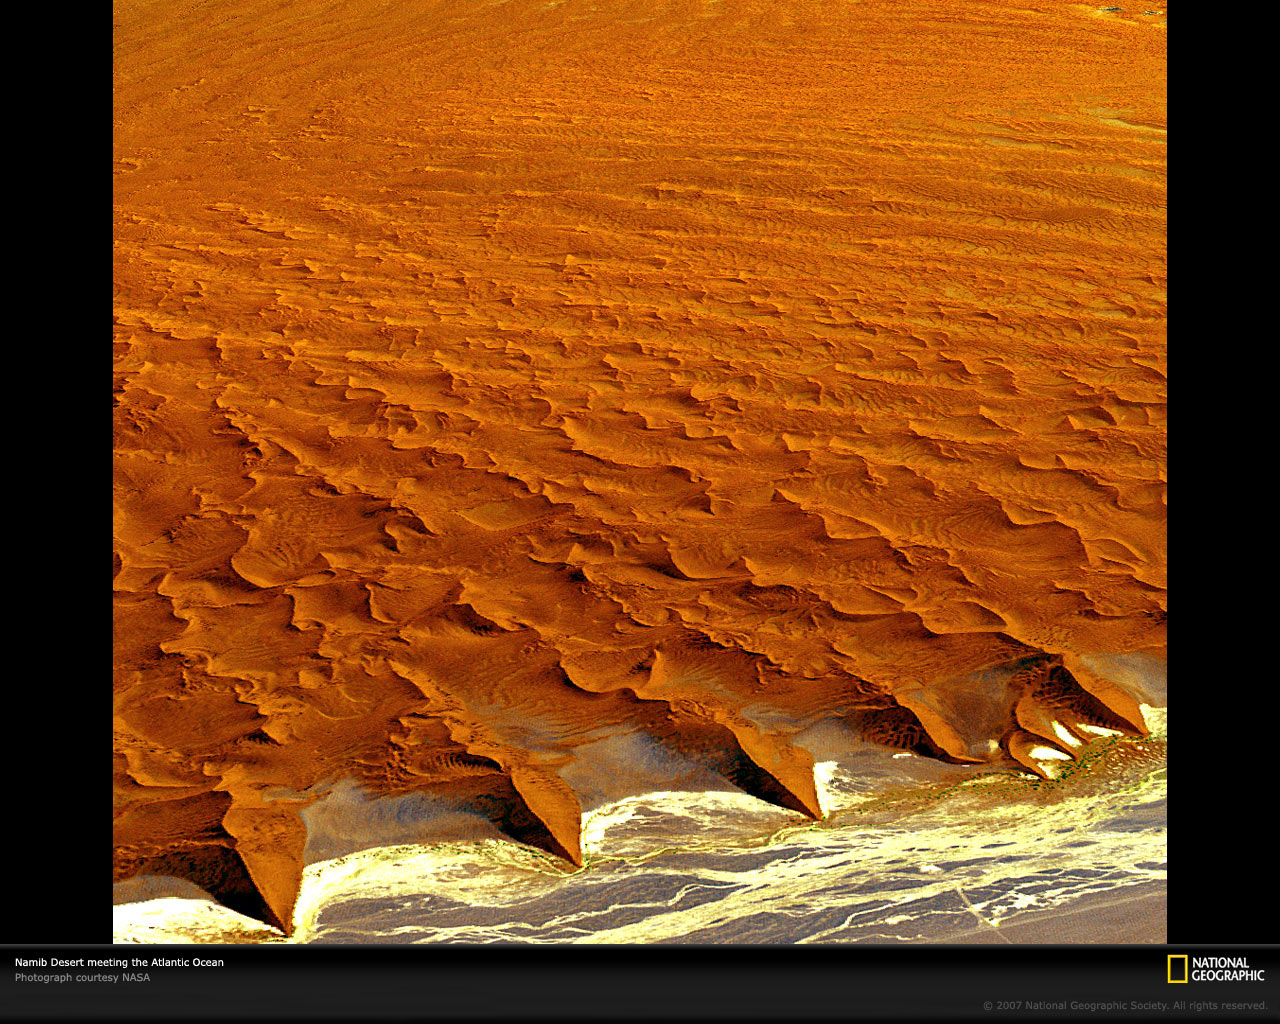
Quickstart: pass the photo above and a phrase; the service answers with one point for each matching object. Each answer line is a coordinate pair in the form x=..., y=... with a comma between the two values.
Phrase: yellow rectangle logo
x=1182, y=959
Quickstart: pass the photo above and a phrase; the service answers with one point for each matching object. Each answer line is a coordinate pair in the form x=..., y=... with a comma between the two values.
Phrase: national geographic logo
x=1183, y=968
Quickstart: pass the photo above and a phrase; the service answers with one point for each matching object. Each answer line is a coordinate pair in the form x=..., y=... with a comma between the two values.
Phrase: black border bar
x=541, y=982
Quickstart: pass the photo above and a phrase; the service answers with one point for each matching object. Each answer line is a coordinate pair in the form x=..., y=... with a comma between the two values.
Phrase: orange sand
x=495, y=376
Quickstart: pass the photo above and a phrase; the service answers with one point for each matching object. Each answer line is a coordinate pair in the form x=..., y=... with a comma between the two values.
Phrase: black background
x=847, y=982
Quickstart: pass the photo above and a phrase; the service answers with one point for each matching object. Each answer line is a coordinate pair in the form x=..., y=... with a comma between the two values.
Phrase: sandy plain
x=521, y=408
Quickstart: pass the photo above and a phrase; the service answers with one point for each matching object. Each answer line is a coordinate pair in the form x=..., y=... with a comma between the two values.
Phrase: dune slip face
x=524, y=407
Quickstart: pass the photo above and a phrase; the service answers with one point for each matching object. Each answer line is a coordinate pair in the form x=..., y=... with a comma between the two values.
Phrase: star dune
x=498, y=382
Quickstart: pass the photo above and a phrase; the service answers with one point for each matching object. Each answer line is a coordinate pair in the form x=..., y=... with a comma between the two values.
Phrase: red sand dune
x=491, y=378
